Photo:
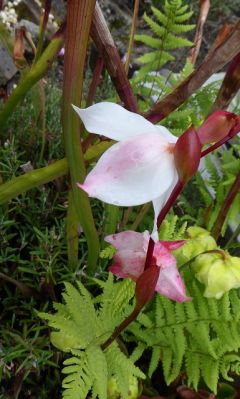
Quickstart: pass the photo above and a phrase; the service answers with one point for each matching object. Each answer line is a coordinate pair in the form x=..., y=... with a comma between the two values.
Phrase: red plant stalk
x=174, y=195
x=95, y=81
x=218, y=56
x=106, y=47
x=234, y=190
x=145, y=287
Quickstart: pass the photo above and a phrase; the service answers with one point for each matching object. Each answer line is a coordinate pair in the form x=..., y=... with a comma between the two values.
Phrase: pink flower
x=139, y=168
x=130, y=258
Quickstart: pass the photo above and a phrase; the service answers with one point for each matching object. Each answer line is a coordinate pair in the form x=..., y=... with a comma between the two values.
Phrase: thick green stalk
x=72, y=233
x=35, y=178
x=79, y=17
x=111, y=219
x=33, y=76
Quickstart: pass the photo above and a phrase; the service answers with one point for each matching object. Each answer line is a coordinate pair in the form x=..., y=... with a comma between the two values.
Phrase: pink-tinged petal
x=128, y=264
x=132, y=172
x=126, y=240
x=166, y=134
x=159, y=202
x=163, y=256
x=171, y=245
x=171, y=285
x=113, y=121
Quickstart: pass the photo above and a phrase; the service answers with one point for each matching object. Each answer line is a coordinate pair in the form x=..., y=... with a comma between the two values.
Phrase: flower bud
x=216, y=126
x=187, y=154
x=145, y=285
x=199, y=241
x=218, y=271
x=19, y=47
x=113, y=391
x=64, y=342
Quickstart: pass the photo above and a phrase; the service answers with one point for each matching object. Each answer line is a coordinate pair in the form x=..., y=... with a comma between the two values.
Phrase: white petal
x=132, y=172
x=166, y=134
x=113, y=121
x=158, y=204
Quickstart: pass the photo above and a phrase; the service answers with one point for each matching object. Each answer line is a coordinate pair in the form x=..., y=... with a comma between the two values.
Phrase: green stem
x=34, y=75
x=79, y=18
x=43, y=25
x=72, y=228
x=111, y=219
x=144, y=209
x=35, y=178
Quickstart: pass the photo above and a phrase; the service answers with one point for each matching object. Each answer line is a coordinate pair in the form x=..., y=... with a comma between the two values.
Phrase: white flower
x=139, y=168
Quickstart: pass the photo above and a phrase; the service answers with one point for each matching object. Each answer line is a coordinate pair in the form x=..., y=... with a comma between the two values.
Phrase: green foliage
x=168, y=27
x=200, y=338
x=82, y=328
x=172, y=228
x=220, y=172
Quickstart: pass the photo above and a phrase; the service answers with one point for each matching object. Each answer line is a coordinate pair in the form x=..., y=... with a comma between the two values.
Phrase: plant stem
x=204, y=9
x=121, y=327
x=144, y=209
x=95, y=81
x=234, y=236
x=132, y=33
x=35, y=178
x=106, y=47
x=79, y=18
x=218, y=56
x=43, y=25
x=175, y=193
x=234, y=190
x=36, y=72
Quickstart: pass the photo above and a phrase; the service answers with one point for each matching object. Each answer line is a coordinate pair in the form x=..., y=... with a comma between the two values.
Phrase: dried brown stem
x=106, y=47
x=132, y=33
x=27, y=292
x=218, y=56
x=230, y=85
x=204, y=9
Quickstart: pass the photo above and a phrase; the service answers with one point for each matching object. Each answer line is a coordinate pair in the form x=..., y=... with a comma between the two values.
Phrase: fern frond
x=167, y=25
x=197, y=337
x=83, y=325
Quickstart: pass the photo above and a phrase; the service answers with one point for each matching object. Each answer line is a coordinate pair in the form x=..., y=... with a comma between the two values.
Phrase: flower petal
x=166, y=134
x=170, y=284
x=128, y=264
x=171, y=245
x=163, y=256
x=126, y=240
x=113, y=121
x=133, y=172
